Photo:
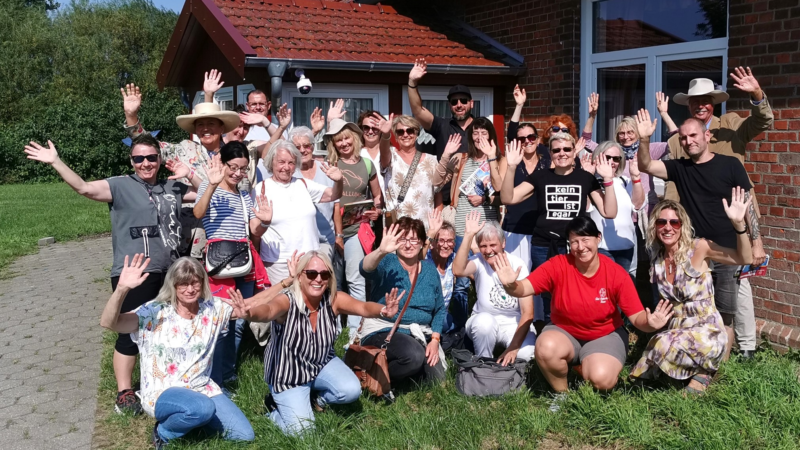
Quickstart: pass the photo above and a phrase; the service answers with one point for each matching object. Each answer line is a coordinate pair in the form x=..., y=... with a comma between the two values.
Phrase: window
x=223, y=97
x=357, y=98
x=434, y=98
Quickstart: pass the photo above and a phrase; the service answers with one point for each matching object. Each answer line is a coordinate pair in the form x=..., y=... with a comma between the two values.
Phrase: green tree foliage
x=60, y=75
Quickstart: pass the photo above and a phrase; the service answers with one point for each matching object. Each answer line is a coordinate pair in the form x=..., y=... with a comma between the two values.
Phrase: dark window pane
x=676, y=75
x=302, y=107
x=441, y=108
x=621, y=92
x=627, y=24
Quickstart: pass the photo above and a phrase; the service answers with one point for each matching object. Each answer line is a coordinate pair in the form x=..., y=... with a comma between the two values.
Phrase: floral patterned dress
x=695, y=338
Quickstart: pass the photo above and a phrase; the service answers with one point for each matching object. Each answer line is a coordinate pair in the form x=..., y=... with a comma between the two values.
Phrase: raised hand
x=519, y=95
x=252, y=118
x=738, y=207
x=316, y=120
x=284, y=116
x=241, y=310
x=580, y=144
x=132, y=275
x=381, y=123
x=452, y=146
x=489, y=148
x=633, y=168
x=418, y=71
x=602, y=167
x=659, y=318
x=332, y=172
x=505, y=273
x=336, y=110
x=514, y=153
x=435, y=221
x=264, y=211
x=745, y=81
x=131, y=99
x=594, y=104
x=178, y=168
x=36, y=152
x=215, y=170
x=392, y=303
x=391, y=239
x=211, y=81
x=643, y=124
x=293, y=262
x=473, y=223
x=662, y=103
x=588, y=164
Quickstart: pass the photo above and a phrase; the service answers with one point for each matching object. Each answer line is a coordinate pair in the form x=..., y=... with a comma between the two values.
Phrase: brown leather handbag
x=369, y=362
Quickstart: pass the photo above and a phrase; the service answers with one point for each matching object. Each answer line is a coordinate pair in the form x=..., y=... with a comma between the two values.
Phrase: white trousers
x=744, y=322
x=487, y=330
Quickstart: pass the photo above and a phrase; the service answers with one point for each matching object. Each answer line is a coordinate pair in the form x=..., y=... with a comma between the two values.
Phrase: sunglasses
x=616, y=159
x=313, y=274
x=528, y=138
x=674, y=223
x=563, y=130
x=556, y=151
x=138, y=159
x=403, y=131
x=455, y=101
x=367, y=129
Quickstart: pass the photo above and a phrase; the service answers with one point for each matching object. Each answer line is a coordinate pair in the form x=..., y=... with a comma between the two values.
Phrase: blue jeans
x=347, y=270
x=179, y=410
x=459, y=301
x=336, y=384
x=541, y=303
x=622, y=257
x=224, y=364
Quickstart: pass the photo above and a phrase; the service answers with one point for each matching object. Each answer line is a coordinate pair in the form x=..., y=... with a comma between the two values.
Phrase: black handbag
x=230, y=259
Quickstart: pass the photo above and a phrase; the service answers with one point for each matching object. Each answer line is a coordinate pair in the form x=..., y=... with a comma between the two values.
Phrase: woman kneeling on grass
x=176, y=334
x=694, y=343
x=586, y=327
x=299, y=358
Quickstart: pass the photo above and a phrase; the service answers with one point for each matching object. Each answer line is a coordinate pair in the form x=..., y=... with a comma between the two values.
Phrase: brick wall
x=548, y=36
x=764, y=35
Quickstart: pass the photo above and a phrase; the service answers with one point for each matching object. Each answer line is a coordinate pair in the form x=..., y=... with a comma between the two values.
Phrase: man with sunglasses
x=702, y=180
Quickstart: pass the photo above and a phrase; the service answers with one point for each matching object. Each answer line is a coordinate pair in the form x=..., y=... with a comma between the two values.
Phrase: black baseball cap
x=459, y=89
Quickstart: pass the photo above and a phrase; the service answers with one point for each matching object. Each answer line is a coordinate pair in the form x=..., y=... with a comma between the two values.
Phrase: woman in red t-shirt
x=586, y=327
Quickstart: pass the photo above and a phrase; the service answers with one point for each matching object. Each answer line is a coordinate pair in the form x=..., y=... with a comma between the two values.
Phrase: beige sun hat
x=338, y=125
x=230, y=119
x=701, y=86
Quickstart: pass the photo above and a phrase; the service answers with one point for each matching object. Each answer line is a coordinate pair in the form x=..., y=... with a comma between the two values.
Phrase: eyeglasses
x=616, y=159
x=462, y=100
x=138, y=159
x=250, y=105
x=447, y=241
x=403, y=131
x=183, y=287
x=563, y=130
x=408, y=241
x=313, y=274
x=368, y=129
x=528, y=138
x=556, y=151
x=305, y=146
x=674, y=223
x=237, y=169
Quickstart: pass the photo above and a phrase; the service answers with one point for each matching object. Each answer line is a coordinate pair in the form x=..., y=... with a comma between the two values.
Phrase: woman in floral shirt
x=176, y=334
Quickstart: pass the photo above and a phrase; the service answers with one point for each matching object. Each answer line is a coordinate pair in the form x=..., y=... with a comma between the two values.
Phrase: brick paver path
x=50, y=345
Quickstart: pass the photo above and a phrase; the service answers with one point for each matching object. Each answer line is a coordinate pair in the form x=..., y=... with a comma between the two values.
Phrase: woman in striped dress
x=299, y=357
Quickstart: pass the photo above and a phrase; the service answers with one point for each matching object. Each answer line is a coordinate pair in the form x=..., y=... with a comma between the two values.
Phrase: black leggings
x=136, y=298
x=406, y=357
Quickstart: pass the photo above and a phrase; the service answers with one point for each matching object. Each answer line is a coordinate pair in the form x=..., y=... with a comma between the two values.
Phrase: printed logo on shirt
x=563, y=201
x=602, y=296
x=500, y=299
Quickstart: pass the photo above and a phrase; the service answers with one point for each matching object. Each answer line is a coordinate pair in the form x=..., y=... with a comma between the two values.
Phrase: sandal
x=704, y=380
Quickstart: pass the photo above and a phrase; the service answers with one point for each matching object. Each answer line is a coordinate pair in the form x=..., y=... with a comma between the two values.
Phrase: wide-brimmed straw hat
x=230, y=120
x=337, y=125
x=701, y=86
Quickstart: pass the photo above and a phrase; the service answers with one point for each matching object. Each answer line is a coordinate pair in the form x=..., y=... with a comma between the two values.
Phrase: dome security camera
x=303, y=84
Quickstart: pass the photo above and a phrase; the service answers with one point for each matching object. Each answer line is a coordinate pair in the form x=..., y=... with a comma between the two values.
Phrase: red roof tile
x=331, y=30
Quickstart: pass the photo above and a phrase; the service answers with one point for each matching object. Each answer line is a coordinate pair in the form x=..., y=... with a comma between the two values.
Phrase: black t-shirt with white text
x=560, y=198
x=702, y=188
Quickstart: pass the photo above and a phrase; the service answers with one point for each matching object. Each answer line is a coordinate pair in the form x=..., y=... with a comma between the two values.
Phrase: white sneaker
x=558, y=400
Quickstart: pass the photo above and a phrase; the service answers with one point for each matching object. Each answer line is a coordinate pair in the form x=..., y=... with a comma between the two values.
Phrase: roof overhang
x=376, y=66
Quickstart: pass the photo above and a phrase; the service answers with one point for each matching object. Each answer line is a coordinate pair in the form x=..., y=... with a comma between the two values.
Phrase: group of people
x=351, y=219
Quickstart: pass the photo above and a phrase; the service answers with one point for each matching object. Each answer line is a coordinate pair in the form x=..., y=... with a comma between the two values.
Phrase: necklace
x=352, y=160
x=670, y=263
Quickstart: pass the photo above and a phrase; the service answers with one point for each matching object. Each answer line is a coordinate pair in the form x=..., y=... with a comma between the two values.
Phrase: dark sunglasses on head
x=559, y=150
x=616, y=159
x=528, y=138
x=563, y=130
x=313, y=274
x=462, y=100
x=367, y=129
x=674, y=223
x=138, y=159
x=403, y=131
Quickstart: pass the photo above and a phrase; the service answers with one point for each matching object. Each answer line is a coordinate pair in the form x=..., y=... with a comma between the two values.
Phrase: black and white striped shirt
x=295, y=353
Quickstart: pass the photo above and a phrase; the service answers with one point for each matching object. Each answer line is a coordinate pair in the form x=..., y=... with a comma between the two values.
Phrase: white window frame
x=651, y=57
x=379, y=93
x=241, y=93
x=224, y=94
x=483, y=94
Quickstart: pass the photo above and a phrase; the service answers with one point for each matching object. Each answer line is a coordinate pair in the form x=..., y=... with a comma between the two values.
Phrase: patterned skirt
x=694, y=341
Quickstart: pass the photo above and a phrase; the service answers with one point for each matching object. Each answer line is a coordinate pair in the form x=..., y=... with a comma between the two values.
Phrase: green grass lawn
x=29, y=212
x=753, y=405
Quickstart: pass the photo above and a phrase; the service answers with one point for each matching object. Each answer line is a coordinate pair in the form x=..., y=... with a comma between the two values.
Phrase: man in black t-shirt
x=702, y=181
